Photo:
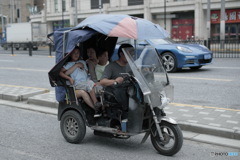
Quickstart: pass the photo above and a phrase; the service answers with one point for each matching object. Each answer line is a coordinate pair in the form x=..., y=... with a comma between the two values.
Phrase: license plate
x=207, y=56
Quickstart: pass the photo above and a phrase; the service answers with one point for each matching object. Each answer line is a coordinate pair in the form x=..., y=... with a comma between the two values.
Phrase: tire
x=172, y=134
x=195, y=68
x=73, y=127
x=169, y=62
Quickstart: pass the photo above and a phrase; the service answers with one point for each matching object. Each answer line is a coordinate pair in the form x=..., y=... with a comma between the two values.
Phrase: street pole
x=208, y=20
x=100, y=6
x=222, y=24
x=76, y=13
x=2, y=18
x=165, y=14
x=62, y=16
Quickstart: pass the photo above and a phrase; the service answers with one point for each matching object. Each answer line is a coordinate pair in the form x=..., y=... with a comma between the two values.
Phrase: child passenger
x=76, y=72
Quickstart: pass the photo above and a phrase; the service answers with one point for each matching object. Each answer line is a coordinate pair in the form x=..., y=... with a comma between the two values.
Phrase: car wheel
x=195, y=68
x=169, y=62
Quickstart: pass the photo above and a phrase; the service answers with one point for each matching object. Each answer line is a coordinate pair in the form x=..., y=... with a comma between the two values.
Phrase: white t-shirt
x=99, y=69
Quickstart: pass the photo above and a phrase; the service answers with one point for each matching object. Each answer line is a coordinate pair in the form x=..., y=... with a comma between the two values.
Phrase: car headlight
x=184, y=49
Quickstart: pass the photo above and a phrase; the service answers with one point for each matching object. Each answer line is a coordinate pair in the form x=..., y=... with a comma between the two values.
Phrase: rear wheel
x=173, y=139
x=169, y=62
x=73, y=127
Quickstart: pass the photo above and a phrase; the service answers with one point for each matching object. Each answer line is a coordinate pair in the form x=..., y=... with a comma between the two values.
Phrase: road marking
x=6, y=60
x=209, y=79
x=233, y=122
x=225, y=115
x=209, y=118
x=24, y=69
x=225, y=67
x=198, y=106
x=192, y=121
x=8, y=85
x=206, y=113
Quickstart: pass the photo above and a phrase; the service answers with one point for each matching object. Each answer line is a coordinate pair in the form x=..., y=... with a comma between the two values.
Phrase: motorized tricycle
x=133, y=107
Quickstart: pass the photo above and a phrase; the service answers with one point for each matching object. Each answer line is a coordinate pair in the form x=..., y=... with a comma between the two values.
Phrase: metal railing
x=220, y=48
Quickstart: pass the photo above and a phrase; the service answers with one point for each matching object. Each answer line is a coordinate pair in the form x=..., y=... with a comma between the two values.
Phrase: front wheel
x=73, y=127
x=173, y=139
x=169, y=62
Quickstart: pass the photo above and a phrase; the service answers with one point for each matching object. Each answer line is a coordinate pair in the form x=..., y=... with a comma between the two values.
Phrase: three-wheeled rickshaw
x=133, y=107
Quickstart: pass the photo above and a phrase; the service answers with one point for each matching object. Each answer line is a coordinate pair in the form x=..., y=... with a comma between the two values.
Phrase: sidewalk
x=204, y=120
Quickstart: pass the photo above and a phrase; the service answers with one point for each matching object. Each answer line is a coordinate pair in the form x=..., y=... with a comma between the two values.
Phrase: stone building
x=182, y=18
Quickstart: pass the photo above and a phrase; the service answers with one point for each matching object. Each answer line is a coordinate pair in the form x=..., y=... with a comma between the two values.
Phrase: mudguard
x=168, y=119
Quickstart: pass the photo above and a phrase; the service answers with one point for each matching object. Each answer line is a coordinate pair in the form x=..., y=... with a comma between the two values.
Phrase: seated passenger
x=76, y=72
x=102, y=63
x=111, y=74
x=92, y=61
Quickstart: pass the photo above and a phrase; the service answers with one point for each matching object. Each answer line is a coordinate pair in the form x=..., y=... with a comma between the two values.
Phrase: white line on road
x=209, y=79
x=6, y=60
x=24, y=69
x=224, y=67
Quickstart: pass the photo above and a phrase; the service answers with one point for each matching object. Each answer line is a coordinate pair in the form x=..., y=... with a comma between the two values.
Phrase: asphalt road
x=36, y=136
x=215, y=85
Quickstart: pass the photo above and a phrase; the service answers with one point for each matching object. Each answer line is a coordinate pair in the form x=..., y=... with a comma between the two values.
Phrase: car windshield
x=162, y=41
x=147, y=69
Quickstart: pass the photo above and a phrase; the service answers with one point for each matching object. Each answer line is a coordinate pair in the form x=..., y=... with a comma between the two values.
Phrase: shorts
x=85, y=85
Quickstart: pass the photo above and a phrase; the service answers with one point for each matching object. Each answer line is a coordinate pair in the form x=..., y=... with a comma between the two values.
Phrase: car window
x=162, y=41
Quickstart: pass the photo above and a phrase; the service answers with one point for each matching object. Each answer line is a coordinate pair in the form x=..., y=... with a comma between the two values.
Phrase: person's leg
x=93, y=96
x=86, y=98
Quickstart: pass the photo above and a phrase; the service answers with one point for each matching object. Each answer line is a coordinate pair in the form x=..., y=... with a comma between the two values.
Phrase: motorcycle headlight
x=165, y=101
x=184, y=49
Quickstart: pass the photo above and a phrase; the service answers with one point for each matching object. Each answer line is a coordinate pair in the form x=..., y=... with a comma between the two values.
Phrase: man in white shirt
x=102, y=63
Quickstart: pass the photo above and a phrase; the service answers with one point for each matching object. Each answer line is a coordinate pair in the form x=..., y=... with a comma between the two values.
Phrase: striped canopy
x=124, y=26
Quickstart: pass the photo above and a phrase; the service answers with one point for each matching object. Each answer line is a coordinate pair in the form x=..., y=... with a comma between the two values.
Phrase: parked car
x=175, y=55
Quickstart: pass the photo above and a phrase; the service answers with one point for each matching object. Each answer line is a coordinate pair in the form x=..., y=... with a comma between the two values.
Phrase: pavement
x=212, y=125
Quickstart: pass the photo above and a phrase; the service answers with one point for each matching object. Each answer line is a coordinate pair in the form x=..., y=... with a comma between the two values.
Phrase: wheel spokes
x=72, y=126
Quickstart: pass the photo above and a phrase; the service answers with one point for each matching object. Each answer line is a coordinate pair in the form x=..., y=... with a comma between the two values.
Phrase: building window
x=95, y=3
x=135, y=2
x=55, y=5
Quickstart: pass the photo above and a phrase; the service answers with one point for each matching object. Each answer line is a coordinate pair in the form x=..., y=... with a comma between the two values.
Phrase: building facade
x=182, y=18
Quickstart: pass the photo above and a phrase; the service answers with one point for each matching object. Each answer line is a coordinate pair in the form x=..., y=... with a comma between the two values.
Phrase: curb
x=40, y=102
x=204, y=129
x=15, y=98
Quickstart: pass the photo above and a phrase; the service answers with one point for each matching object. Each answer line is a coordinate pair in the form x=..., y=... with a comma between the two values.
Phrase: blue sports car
x=176, y=56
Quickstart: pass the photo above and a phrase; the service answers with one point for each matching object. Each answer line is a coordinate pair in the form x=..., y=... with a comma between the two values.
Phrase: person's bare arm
x=109, y=82
x=75, y=66
x=64, y=75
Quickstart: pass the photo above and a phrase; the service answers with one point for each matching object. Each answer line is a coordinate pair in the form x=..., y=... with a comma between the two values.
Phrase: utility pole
x=222, y=22
x=76, y=13
x=2, y=17
x=62, y=16
x=100, y=6
x=208, y=19
x=165, y=15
